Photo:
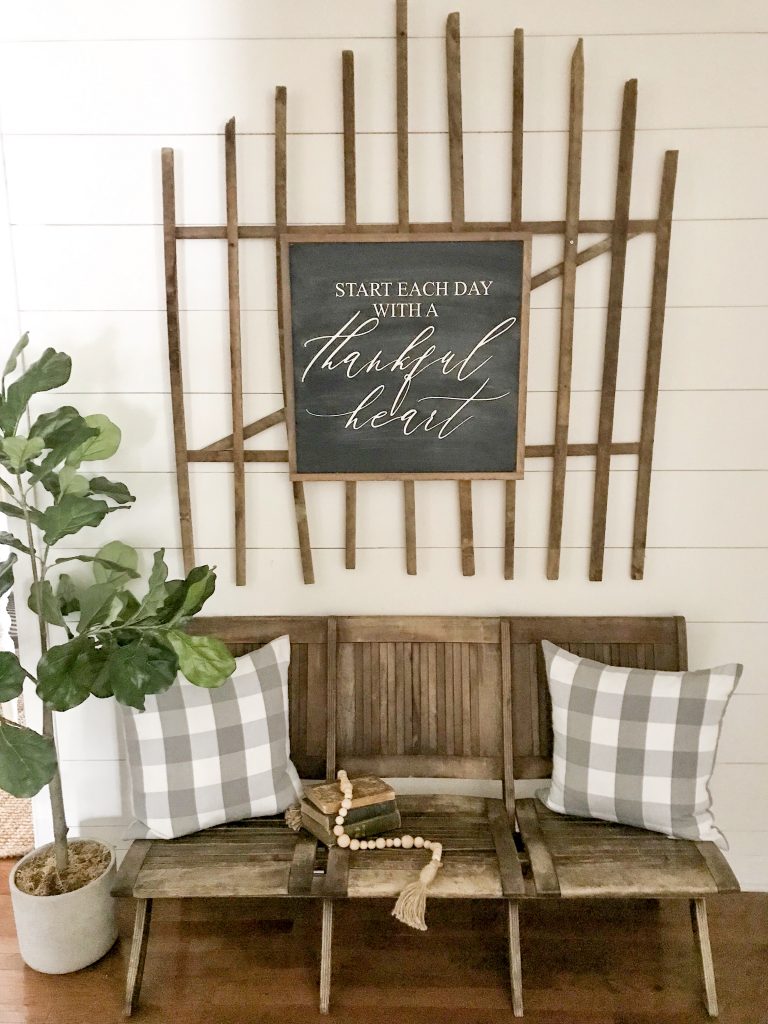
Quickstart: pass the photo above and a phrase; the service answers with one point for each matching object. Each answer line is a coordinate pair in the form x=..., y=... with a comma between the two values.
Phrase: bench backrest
x=436, y=696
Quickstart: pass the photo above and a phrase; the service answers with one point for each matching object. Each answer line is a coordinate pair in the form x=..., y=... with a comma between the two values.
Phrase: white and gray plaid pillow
x=636, y=746
x=201, y=757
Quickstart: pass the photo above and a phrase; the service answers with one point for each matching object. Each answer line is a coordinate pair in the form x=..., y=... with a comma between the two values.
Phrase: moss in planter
x=87, y=861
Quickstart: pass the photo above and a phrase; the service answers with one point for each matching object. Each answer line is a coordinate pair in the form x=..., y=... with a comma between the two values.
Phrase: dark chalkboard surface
x=406, y=359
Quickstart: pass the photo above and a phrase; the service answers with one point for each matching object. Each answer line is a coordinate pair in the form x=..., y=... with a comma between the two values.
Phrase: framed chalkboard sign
x=405, y=357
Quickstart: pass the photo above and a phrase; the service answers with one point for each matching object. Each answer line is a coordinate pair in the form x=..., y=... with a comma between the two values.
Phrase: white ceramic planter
x=61, y=934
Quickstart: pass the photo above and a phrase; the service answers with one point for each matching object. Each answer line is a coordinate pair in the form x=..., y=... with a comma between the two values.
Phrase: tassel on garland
x=293, y=817
x=411, y=904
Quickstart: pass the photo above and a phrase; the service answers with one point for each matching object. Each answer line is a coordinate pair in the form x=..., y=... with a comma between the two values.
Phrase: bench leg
x=701, y=935
x=325, y=956
x=138, y=955
x=515, y=966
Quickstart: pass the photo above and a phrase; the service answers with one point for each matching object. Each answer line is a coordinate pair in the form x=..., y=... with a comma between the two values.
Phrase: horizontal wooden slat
x=418, y=629
x=253, y=629
x=423, y=766
x=615, y=629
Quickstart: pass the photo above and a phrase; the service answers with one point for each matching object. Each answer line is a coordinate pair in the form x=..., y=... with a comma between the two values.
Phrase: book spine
x=359, y=830
x=355, y=813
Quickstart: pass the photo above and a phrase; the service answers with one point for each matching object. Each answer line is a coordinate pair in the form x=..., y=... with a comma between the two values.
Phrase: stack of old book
x=373, y=809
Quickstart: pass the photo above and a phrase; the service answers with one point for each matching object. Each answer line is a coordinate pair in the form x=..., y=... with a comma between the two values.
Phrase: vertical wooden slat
x=400, y=697
x=467, y=528
x=473, y=748
x=516, y=216
x=350, y=523
x=568, y=304
x=410, y=701
x=174, y=359
x=505, y=642
x=510, y=503
x=330, y=740
x=449, y=707
x=350, y=222
x=613, y=328
x=455, y=129
x=430, y=676
x=403, y=221
x=653, y=361
x=235, y=354
x=367, y=688
x=456, y=159
x=518, y=98
x=281, y=224
x=444, y=690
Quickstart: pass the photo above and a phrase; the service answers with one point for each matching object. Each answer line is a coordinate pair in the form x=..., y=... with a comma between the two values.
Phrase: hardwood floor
x=227, y=962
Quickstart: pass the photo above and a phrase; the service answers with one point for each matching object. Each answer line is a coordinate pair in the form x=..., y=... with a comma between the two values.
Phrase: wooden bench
x=434, y=697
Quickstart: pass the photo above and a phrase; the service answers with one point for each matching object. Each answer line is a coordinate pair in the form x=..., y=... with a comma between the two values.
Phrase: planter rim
x=61, y=895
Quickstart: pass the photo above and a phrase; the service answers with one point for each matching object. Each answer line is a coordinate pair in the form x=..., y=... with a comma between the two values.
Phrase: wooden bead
x=407, y=842
x=354, y=844
x=427, y=844
x=397, y=842
x=339, y=820
x=381, y=843
x=338, y=830
x=418, y=842
x=346, y=803
x=363, y=844
x=390, y=842
x=343, y=841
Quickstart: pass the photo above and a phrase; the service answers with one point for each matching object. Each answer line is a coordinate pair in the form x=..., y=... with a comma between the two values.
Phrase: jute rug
x=16, y=836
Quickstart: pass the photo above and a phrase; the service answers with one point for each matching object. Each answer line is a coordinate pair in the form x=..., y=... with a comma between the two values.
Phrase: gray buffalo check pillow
x=636, y=746
x=201, y=757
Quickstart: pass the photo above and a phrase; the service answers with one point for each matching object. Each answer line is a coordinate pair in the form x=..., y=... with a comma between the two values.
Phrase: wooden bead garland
x=411, y=903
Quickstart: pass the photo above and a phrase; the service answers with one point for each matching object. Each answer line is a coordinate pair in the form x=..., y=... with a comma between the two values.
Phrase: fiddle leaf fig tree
x=116, y=636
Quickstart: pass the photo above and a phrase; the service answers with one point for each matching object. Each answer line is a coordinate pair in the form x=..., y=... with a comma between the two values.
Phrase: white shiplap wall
x=89, y=94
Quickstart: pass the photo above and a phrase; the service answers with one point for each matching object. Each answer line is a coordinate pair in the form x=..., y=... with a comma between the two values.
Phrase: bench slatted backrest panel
x=632, y=642
x=425, y=696
x=419, y=696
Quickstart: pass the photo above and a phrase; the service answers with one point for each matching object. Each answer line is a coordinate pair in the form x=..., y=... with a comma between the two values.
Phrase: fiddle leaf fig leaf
x=43, y=602
x=12, y=676
x=102, y=446
x=115, y=563
x=70, y=515
x=21, y=450
x=35, y=515
x=67, y=595
x=97, y=606
x=62, y=432
x=204, y=660
x=51, y=370
x=157, y=591
x=189, y=596
x=111, y=489
x=27, y=760
x=63, y=679
x=141, y=667
x=71, y=482
x=6, y=573
x=9, y=541
x=16, y=351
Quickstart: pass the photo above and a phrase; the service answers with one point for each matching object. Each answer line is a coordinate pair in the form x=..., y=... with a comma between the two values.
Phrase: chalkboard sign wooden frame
x=312, y=453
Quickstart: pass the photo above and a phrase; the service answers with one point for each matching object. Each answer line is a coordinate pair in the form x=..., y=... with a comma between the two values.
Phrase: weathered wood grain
x=567, y=309
x=613, y=328
x=174, y=359
x=281, y=227
x=235, y=353
x=653, y=363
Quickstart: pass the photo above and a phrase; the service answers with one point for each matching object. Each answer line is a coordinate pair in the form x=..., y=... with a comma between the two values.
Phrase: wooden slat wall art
x=618, y=232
